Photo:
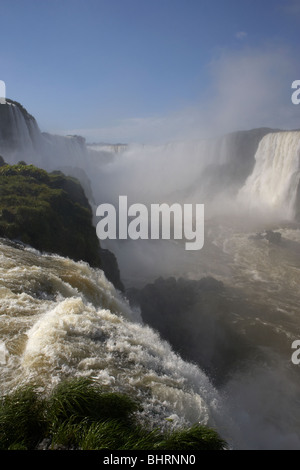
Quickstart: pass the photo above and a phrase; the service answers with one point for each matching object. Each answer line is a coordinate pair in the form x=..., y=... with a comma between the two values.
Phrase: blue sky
x=149, y=70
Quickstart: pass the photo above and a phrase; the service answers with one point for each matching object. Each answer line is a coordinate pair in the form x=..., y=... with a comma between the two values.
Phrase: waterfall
x=61, y=318
x=200, y=170
x=19, y=132
x=21, y=139
x=275, y=178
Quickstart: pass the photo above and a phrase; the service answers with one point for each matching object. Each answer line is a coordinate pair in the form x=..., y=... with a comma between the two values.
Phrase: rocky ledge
x=50, y=212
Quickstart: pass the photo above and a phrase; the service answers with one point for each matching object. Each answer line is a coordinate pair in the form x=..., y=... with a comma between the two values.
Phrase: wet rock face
x=241, y=147
x=18, y=128
x=54, y=213
x=196, y=318
x=273, y=237
x=49, y=212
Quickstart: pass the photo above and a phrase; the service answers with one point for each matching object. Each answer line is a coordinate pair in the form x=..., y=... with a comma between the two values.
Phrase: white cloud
x=241, y=35
x=292, y=7
x=252, y=88
x=153, y=129
x=248, y=88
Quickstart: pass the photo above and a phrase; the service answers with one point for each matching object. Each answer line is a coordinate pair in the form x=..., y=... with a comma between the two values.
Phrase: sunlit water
x=63, y=319
x=261, y=280
x=60, y=318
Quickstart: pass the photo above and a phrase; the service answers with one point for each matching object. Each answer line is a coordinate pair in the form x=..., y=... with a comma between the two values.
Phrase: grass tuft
x=81, y=399
x=22, y=419
x=79, y=415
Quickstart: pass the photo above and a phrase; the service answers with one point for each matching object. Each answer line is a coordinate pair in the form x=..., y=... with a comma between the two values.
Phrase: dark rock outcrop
x=109, y=264
x=197, y=318
x=272, y=237
x=51, y=213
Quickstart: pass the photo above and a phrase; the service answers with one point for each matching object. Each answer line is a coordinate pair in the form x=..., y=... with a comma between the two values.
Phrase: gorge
x=202, y=336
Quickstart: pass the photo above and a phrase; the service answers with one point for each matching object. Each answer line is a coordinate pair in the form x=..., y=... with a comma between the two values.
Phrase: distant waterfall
x=276, y=175
x=21, y=139
x=24, y=128
x=19, y=132
x=209, y=171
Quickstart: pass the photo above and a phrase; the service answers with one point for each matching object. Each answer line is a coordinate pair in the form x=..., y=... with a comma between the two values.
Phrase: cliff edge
x=50, y=212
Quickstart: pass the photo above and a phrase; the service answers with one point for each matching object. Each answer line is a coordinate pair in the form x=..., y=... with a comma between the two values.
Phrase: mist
x=231, y=307
x=245, y=88
x=229, y=152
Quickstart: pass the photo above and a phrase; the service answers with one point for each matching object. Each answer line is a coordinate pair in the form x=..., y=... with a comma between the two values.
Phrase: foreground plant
x=78, y=414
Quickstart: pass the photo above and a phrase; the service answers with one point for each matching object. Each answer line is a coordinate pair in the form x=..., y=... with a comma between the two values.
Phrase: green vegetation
x=50, y=212
x=79, y=415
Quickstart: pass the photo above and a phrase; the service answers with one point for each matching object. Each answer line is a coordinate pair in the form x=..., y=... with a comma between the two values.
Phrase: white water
x=61, y=318
x=64, y=319
x=22, y=139
x=170, y=172
x=274, y=181
x=261, y=390
x=24, y=132
x=175, y=172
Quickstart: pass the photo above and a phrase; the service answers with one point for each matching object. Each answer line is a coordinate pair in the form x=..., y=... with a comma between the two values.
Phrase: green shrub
x=79, y=415
x=68, y=434
x=81, y=399
x=47, y=211
x=104, y=435
x=22, y=419
x=195, y=438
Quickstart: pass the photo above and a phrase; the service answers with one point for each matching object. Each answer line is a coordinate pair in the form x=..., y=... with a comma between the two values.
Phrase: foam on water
x=64, y=319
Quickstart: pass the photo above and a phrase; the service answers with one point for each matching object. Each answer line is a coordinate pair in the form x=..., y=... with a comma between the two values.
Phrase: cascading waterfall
x=188, y=170
x=19, y=132
x=147, y=173
x=21, y=139
x=64, y=319
x=275, y=178
x=25, y=131
x=59, y=318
